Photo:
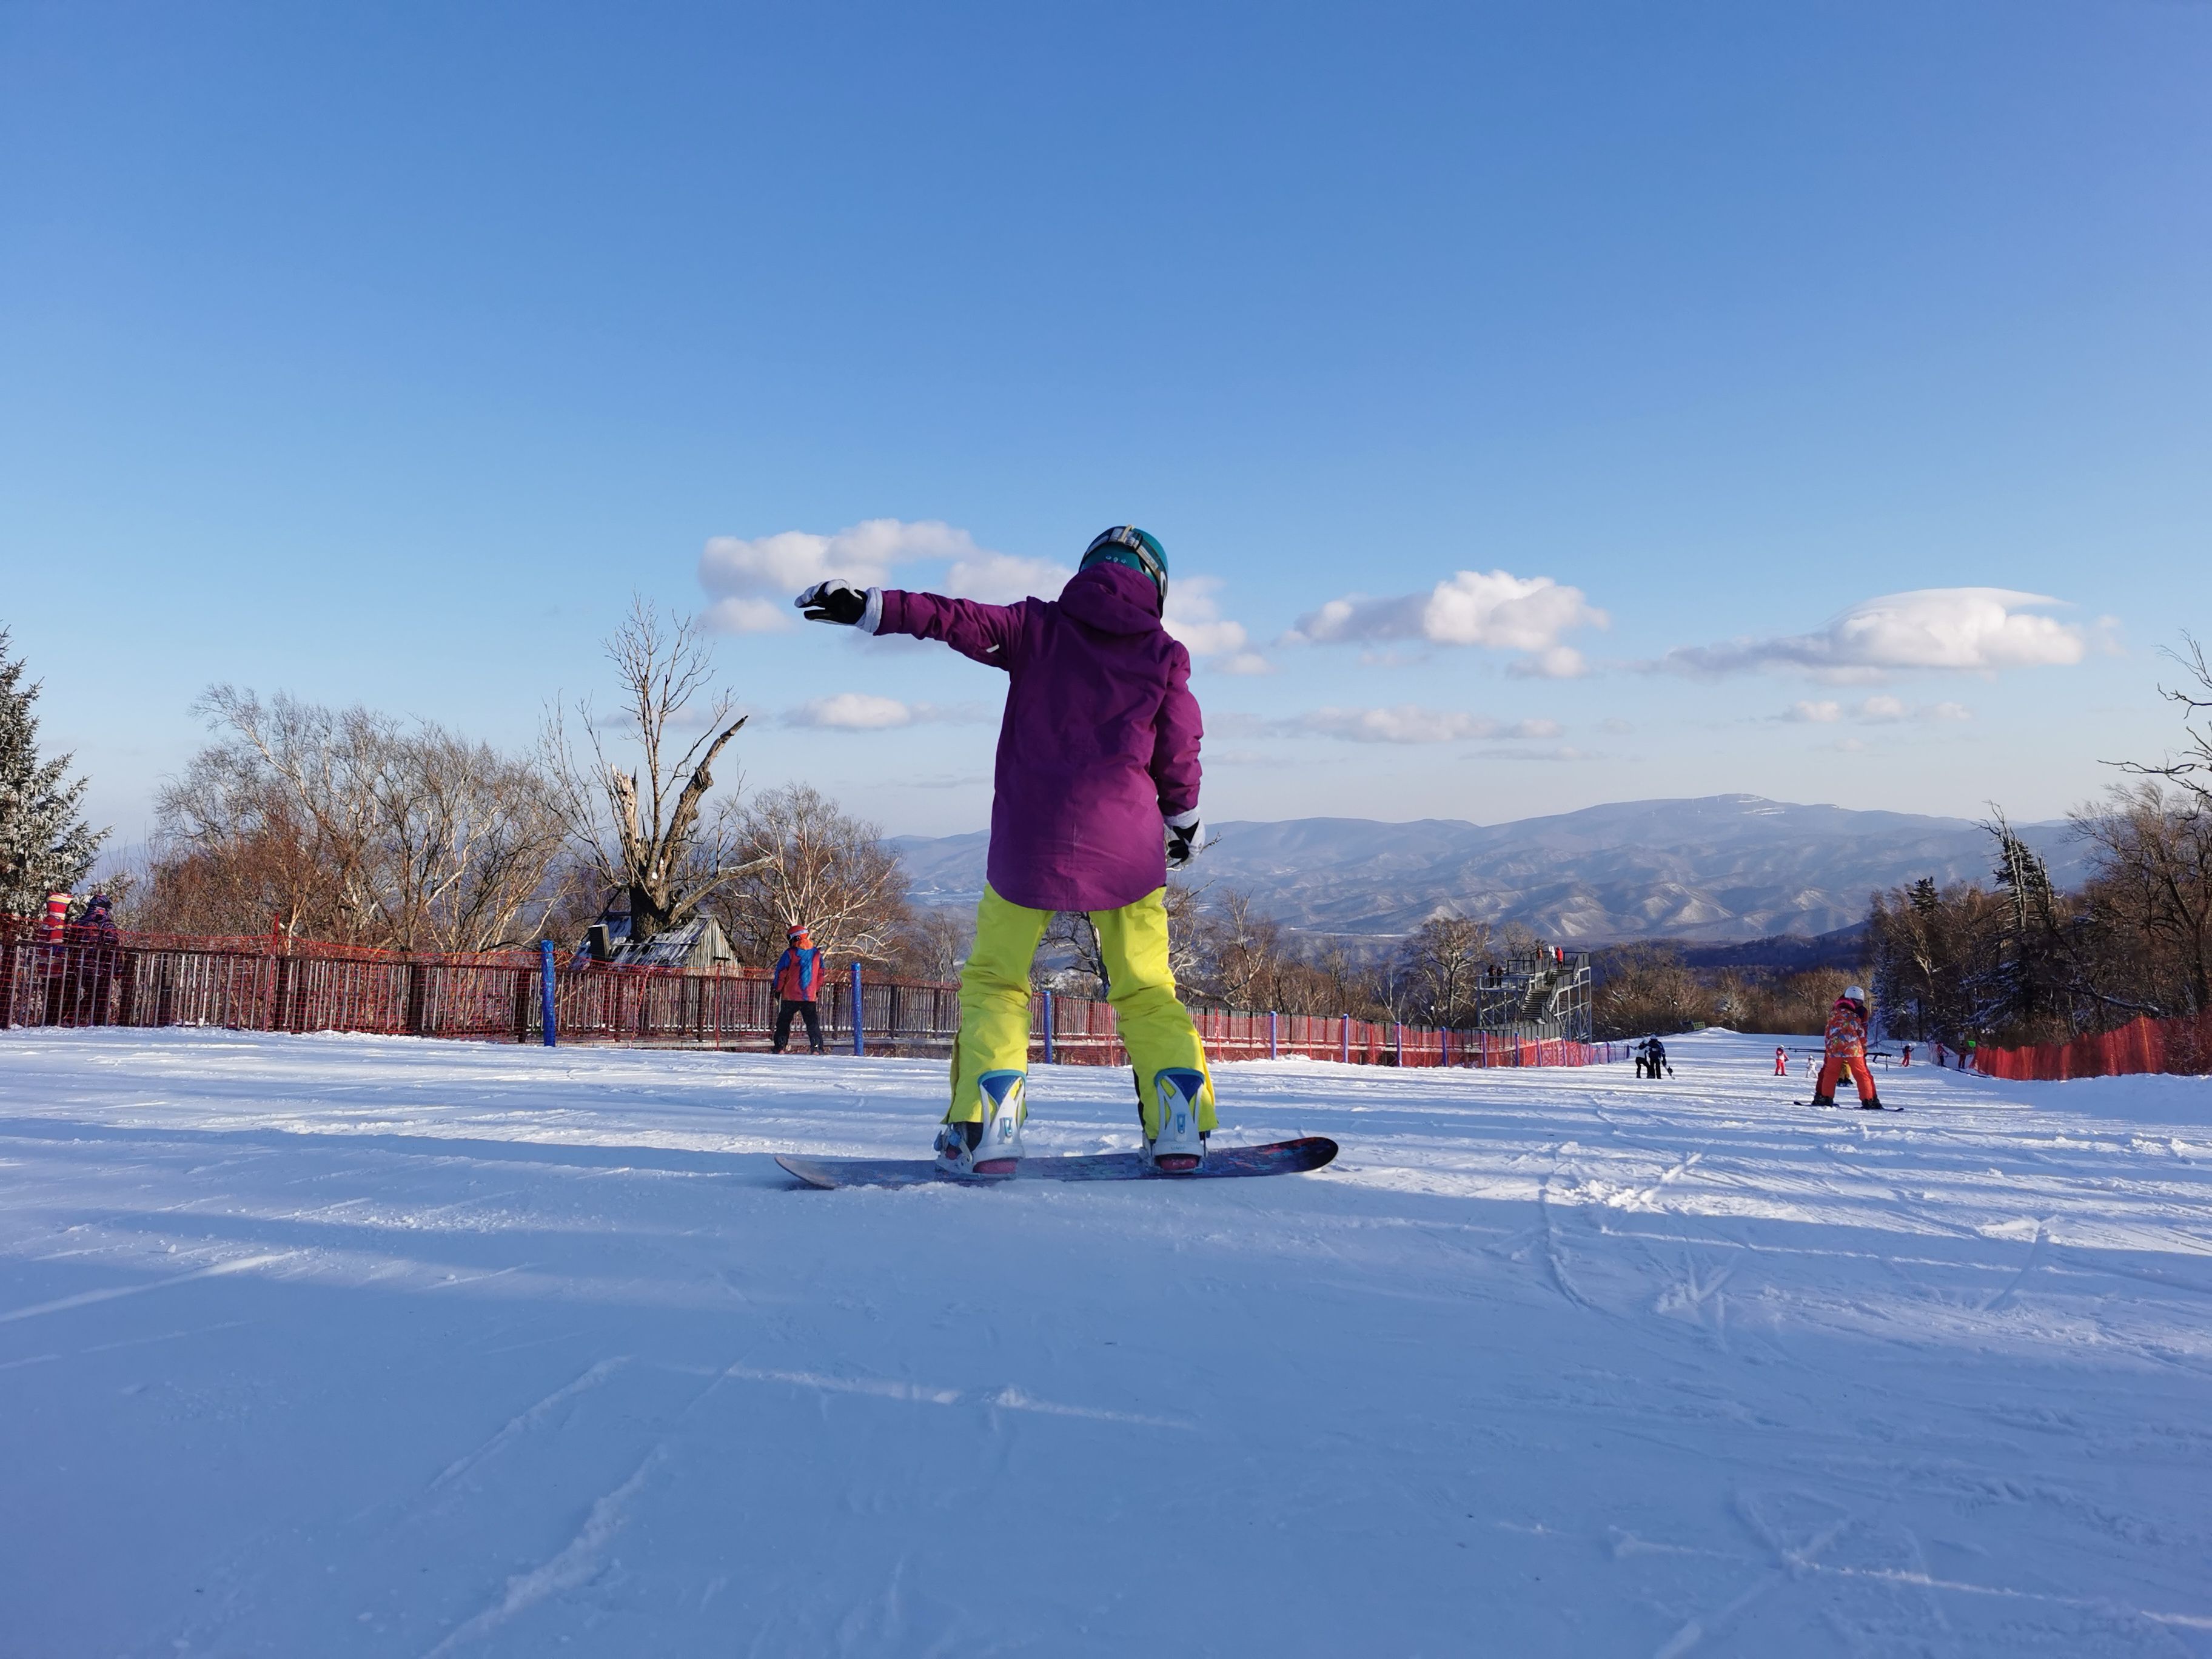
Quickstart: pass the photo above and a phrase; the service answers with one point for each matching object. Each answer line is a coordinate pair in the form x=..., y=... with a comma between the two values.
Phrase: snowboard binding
x=989, y=1147
x=1178, y=1146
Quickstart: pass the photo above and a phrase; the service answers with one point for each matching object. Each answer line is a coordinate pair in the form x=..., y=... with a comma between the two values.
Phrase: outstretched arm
x=988, y=633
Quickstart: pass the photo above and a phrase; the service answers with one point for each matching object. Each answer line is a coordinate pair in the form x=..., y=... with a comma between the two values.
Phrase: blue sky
x=1534, y=399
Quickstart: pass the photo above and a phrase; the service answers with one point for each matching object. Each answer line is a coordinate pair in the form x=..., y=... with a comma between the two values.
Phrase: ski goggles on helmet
x=1127, y=545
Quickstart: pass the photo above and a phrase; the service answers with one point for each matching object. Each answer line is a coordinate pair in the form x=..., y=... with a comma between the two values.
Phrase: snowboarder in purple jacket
x=1096, y=799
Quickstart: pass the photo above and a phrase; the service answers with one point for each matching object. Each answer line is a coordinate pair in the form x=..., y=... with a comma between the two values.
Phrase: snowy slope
x=341, y=1345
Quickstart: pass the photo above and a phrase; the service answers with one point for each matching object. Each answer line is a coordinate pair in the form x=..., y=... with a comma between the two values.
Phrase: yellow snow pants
x=994, y=1000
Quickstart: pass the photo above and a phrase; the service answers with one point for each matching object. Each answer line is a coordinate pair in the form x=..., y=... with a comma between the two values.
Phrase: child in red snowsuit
x=1781, y=1061
x=1847, y=1035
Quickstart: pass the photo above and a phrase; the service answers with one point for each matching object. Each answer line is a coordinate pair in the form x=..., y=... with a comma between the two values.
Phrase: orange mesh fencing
x=2181, y=1047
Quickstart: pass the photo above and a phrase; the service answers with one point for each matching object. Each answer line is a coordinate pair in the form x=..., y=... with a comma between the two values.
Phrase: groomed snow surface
x=337, y=1345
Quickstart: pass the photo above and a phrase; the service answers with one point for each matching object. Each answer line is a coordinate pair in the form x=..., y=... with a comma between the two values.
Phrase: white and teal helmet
x=1138, y=549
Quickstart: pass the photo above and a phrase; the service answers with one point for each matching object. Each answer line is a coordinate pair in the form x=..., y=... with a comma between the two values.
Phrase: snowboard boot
x=1871, y=1103
x=990, y=1147
x=1179, y=1145
x=1824, y=1100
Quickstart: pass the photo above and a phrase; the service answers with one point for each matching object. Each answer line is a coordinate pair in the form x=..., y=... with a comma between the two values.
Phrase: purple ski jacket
x=1100, y=738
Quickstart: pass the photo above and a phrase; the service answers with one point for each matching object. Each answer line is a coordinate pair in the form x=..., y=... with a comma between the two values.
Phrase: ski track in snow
x=353, y=1346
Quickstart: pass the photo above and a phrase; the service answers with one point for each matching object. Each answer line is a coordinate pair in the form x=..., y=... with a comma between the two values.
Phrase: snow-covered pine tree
x=44, y=844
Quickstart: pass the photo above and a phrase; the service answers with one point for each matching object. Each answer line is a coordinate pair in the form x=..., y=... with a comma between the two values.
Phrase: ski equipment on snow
x=1178, y=1148
x=1308, y=1153
x=990, y=1147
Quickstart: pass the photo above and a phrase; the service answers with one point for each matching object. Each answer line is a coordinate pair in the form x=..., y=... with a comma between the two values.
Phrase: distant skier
x=1846, y=1044
x=1781, y=1060
x=798, y=987
x=1907, y=1060
x=97, y=938
x=1657, y=1059
x=1939, y=1053
x=53, y=930
x=1098, y=751
x=1966, y=1051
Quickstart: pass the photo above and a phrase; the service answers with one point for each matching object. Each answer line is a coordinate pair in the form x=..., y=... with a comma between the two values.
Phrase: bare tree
x=2193, y=770
x=2149, y=902
x=935, y=943
x=641, y=829
x=1646, y=988
x=1445, y=958
x=808, y=863
x=1240, y=949
x=347, y=824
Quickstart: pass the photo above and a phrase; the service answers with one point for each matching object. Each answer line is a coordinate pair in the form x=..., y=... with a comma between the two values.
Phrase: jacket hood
x=1112, y=598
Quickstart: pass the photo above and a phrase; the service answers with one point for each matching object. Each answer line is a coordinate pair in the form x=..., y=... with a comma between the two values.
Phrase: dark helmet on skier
x=1139, y=550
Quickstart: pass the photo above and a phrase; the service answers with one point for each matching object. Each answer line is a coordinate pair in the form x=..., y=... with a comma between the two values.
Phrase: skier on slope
x=1095, y=799
x=798, y=984
x=1847, y=1040
x=1781, y=1061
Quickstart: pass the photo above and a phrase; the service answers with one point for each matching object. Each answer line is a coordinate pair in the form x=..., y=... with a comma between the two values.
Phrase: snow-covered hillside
x=340, y=1345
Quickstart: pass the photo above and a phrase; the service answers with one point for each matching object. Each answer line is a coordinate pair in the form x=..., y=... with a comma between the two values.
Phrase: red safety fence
x=2183, y=1046
x=260, y=985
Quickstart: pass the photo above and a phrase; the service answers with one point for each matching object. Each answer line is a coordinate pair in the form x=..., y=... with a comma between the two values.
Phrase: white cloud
x=1406, y=723
x=1970, y=629
x=862, y=711
x=1496, y=610
x=1193, y=616
x=1877, y=710
x=743, y=616
x=852, y=711
x=1005, y=578
x=754, y=581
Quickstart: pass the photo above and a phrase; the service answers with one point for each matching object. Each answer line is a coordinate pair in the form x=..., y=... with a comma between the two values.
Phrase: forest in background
x=356, y=827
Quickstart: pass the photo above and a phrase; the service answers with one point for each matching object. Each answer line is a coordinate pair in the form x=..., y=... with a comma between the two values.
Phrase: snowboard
x=1222, y=1162
x=1839, y=1107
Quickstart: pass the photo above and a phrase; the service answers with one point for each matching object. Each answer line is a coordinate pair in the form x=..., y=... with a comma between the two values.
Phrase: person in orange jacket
x=798, y=984
x=1847, y=1040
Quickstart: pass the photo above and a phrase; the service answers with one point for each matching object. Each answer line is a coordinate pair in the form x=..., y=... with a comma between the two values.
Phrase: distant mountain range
x=1720, y=869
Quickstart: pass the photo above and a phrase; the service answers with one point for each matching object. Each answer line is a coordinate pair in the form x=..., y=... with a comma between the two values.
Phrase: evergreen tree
x=44, y=845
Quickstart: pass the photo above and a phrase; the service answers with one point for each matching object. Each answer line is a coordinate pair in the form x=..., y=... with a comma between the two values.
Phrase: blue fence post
x=860, y=1048
x=1343, y=1036
x=1048, y=1028
x=546, y=1005
x=1273, y=1051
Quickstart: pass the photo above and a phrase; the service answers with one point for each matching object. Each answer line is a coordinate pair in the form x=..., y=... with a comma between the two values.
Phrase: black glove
x=833, y=601
x=1185, y=838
